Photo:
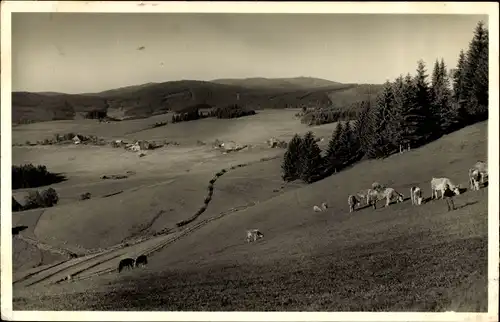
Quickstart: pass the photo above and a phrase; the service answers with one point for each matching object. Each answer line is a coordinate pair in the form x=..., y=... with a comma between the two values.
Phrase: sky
x=92, y=52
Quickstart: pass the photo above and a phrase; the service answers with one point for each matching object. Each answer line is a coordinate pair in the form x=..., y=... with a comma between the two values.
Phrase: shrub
x=46, y=198
x=30, y=176
x=213, y=181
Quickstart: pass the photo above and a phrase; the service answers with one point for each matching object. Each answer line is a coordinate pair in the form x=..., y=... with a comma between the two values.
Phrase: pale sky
x=91, y=52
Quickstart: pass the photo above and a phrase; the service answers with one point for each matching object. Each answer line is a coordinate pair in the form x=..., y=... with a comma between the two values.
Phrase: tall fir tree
x=291, y=160
x=443, y=101
x=380, y=142
x=396, y=124
x=310, y=159
x=459, y=90
x=332, y=162
x=364, y=126
x=476, y=74
x=428, y=126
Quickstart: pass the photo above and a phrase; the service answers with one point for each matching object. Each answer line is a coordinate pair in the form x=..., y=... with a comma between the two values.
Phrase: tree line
x=224, y=112
x=410, y=111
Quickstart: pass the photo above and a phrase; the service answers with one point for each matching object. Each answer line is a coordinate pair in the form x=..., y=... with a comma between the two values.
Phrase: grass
x=401, y=258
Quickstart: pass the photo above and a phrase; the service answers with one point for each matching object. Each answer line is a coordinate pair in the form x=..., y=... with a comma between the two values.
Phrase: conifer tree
x=380, y=141
x=476, y=74
x=364, y=126
x=310, y=159
x=291, y=161
x=428, y=126
x=442, y=100
x=331, y=159
x=459, y=91
x=396, y=124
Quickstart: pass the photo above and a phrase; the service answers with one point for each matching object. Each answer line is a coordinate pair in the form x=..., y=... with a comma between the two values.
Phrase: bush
x=46, y=198
x=30, y=176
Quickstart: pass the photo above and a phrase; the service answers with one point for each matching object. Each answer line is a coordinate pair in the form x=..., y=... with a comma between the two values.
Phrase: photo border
x=8, y=7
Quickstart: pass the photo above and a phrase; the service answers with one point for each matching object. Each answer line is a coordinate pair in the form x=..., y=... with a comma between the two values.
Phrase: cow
x=253, y=235
x=324, y=206
x=363, y=195
x=377, y=186
x=316, y=209
x=483, y=170
x=388, y=194
x=353, y=202
x=448, y=195
x=439, y=184
x=474, y=178
x=142, y=260
x=126, y=263
x=416, y=195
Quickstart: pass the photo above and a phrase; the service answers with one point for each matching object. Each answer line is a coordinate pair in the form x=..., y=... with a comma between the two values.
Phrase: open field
x=394, y=259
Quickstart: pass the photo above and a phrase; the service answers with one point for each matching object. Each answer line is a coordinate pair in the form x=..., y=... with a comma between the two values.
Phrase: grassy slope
x=157, y=98
x=396, y=259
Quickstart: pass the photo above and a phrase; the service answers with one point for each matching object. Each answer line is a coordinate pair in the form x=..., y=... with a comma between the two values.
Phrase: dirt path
x=106, y=260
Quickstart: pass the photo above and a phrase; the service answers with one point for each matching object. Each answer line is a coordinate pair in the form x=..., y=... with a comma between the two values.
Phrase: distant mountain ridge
x=284, y=83
x=157, y=98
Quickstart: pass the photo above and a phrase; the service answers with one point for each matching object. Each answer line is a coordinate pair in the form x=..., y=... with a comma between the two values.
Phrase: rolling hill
x=279, y=83
x=157, y=98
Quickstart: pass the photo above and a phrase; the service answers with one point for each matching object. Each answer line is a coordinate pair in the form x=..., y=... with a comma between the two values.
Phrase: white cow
x=474, y=178
x=316, y=209
x=353, y=202
x=439, y=184
x=416, y=195
x=253, y=235
x=324, y=206
x=363, y=195
x=388, y=194
x=483, y=170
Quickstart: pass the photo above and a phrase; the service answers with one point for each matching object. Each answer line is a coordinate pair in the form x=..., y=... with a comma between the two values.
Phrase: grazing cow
x=439, y=184
x=126, y=263
x=483, y=170
x=416, y=195
x=353, y=202
x=142, y=260
x=316, y=209
x=448, y=195
x=377, y=186
x=388, y=194
x=363, y=195
x=324, y=206
x=253, y=235
x=474, y=178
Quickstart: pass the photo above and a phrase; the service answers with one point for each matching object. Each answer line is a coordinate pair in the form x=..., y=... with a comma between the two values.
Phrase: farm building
x=77, y=140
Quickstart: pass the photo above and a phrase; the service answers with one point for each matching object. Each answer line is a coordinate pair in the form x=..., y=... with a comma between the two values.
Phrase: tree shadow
x=16, y=230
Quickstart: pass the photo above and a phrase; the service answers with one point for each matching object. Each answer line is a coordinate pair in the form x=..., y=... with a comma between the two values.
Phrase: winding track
x=105, y=261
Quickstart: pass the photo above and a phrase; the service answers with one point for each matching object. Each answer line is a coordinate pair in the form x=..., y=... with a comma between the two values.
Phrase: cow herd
x=444, y=187
x=130, y=263
x=440, y=187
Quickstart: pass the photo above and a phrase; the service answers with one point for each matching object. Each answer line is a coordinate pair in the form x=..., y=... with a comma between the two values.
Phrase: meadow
x=400, y=258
